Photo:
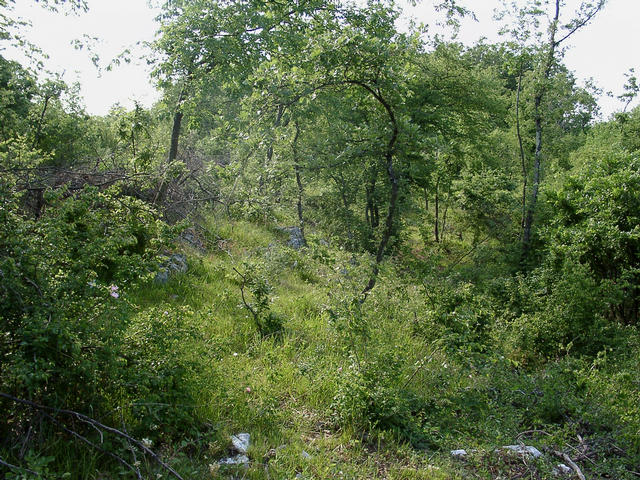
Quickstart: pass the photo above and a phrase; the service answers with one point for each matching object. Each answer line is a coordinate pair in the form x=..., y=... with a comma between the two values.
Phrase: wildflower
x=92, y=283
x=114, y=291
x=248, y=389
x=235, y=354
x=147, y=442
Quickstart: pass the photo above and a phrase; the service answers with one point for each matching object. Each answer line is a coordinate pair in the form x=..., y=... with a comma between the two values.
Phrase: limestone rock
x=296, y=239
x=236, y=460
x=561, y=470
x=176, y=263
x=191, y=237
x=524, y=450
x=459, y=454
x=241, y=442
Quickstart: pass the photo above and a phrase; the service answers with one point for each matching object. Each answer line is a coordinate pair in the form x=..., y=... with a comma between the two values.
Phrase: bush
x=553, y=312
x=368, y=395
x=63, y=292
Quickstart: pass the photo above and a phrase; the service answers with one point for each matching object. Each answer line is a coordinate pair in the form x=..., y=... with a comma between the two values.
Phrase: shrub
x=63, y=292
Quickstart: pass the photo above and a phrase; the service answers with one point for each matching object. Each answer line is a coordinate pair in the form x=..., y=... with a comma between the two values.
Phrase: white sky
x=604, y=50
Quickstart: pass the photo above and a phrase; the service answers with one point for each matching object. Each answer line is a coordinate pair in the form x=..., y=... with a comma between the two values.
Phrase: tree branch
x=94, y=423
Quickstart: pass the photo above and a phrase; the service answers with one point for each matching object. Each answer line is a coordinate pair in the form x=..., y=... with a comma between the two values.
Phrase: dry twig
x=94, y=423
x=571, y=463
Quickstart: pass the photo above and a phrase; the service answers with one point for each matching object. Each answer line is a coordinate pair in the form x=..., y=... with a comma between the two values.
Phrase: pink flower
x=114, y=294
x=248, y=389
x=114, y=291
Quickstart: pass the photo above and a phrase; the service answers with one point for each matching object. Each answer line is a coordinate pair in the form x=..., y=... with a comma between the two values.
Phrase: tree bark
x=297, y=167
x=36, y=138
x=269, y=157
x=371, y=209
x=436, y=229
x=177, y=124
x=173, y=147
x=541, y=90
x=522, y=156
x=394, y=182
x=345, y=202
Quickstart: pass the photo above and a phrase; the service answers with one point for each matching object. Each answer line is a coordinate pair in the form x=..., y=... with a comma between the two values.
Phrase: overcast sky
x=604, y=50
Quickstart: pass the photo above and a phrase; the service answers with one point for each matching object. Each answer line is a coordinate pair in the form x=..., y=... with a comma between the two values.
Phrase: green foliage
x=596, y=222
x=554, y=311
x=17, y=88
x=456, y=315
x=254, y=279
x=159, y=369
x=369, y=395
x=65, y=282
x=487, y=203
x=324, y=115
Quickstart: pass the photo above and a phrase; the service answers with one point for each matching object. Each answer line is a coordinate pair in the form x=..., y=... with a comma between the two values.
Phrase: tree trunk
x=173, y=147
x=526, y=234
x=436, y=226
x=443, y=230
x=522, y=156
x=541, y=90
x=345, y=202
x=175, y=131
x=269, y=157
x=393, y=197
x=297, y=168
x=371, y=209
x=36, y=138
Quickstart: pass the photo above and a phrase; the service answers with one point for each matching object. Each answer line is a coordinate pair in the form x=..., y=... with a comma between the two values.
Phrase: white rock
x=237, y=460
x=525, y=450
x=459, y=453
x=561, y=469
x=241, y=442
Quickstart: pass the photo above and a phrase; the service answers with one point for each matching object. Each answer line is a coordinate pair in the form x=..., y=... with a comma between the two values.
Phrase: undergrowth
x=340, y=389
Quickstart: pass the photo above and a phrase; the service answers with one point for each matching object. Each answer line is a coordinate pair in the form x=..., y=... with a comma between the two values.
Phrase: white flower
x=147, y=442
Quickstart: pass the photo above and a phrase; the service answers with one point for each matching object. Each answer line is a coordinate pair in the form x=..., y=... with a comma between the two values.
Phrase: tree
x=219, y=43
x=549, y=51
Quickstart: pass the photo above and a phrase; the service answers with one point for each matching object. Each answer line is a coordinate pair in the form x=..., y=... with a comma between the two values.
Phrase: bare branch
x=97, y=424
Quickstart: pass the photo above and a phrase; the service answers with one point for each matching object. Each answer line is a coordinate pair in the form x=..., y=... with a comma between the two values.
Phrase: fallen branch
x=14, y=467
x=529, y=432
x=83, y=439
x=95, y=424
x=571, y=463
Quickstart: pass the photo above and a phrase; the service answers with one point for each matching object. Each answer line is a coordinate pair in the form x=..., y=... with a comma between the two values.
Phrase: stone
x=524, y=450
x=296, y=239
x=561, y=470
x=191, y=237
x=460, y=454
x=241, y=442
x=176, y=263
x=236, y=460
